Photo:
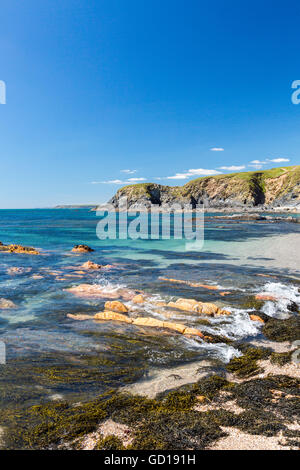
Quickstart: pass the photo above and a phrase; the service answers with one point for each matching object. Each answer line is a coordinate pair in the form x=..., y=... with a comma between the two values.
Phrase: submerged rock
x=16, y=270
x=4, y=304
x=82, y=249
x=138, y=299
x=90, y=265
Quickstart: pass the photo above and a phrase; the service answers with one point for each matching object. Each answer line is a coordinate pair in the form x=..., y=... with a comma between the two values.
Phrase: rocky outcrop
x=278, y=187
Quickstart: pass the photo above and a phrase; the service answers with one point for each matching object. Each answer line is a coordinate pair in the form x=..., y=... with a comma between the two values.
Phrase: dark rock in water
x=293, y=307
x=282, y=330
x=82, y=249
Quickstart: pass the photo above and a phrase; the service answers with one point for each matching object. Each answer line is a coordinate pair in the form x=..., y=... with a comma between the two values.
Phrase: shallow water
x=50, y=355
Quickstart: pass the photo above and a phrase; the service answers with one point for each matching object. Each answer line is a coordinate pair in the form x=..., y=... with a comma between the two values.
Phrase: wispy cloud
x=136, y=179
x=192, y=172
x=279, y=160
x=217, y=149
x=232, y=168
x=117, y=181
x=258, y=162
x=128, y=172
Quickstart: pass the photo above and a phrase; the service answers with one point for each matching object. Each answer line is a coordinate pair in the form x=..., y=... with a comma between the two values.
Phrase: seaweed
x=281, y=358
x=282, y=330
x=246, y=365
x=109, y=442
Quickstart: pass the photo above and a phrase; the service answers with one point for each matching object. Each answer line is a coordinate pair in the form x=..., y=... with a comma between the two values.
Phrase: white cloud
x=232, y=168
x=128, y=172
x=217, y=149
x=117, y=181
x=279, y=160
x=192, y=172
x=258, y=162
x=136, y=179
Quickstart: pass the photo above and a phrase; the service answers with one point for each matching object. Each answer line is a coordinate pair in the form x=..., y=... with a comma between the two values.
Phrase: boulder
x=112, y=316
x=116, y=306
x=82, y=249
x=138, y=299
x=90, y=265
x=147, y=321
x=4, y=304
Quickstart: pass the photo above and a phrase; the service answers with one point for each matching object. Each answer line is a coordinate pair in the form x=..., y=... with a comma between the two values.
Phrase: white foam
x=285, y=295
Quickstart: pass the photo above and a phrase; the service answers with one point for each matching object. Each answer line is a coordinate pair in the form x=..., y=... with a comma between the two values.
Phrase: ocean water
x=50, y=356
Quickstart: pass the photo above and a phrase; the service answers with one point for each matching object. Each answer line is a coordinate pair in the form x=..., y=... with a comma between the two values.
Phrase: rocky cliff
x=269, y=189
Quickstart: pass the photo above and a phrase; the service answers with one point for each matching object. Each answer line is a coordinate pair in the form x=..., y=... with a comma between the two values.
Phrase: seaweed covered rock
x=246, y=365
x=282, y=330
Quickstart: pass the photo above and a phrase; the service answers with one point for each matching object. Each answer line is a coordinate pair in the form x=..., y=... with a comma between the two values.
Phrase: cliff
x=268, y=189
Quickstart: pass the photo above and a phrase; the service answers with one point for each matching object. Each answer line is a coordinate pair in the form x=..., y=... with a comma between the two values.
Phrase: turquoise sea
x=50, y=356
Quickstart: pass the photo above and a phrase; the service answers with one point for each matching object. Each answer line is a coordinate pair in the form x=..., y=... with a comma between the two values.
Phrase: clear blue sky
x=99, y=86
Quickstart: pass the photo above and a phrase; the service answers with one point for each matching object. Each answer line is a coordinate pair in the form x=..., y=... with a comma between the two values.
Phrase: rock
x=112, y=316
x=80, y=316
x=138, y=299
x=189, y=283
x=225, y=293
x=19, y=249
x=90, y=265
x=191, y=305
x=147, y=321
x=116, y=306
x=174, y=326
x=256, y=318
x=4, y=304
x=193, y=332
x=206, y=308
x=37, y=276
x=82, y=249
x=266, y=297
x=222, y=312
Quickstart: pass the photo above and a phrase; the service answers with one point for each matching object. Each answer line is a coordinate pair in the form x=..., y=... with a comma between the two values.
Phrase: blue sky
x=100, y=86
